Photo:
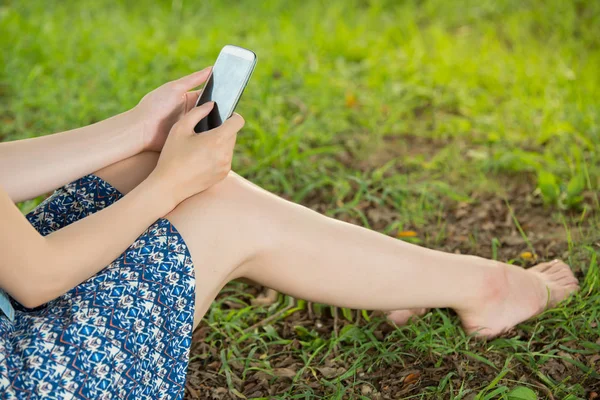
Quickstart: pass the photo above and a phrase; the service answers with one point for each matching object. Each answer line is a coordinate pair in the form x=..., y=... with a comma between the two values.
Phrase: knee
x=236, y=211
x=253, y=211
x=232, y=190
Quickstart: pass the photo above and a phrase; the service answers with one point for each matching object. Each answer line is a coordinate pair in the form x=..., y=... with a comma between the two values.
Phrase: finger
x=231, y=126
x=189, y=121
x=191, y=81
x=191, y=98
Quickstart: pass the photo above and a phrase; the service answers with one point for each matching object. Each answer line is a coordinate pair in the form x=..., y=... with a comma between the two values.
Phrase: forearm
x=31, y=167
x=73, y=254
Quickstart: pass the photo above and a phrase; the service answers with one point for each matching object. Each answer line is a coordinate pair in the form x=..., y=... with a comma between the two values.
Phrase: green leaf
x=522, y=393
x=346, y=329
x=576, y=186
x=347, y=313
x=548, y=186
x=573, y=397
x=494, y=394
x=318, y=309
x=237, y=393
x=304, y=333
x=365, y=315
x=270, y=331
x=483, y=360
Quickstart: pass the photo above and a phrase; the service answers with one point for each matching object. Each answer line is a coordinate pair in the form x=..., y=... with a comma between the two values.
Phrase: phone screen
x=228, y=79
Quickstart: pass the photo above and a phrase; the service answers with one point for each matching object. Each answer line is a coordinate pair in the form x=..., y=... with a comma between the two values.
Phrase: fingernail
x=208, y=104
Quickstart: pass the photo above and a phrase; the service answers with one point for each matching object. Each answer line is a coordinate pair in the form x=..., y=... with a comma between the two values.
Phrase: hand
x=191, y=163
x=164, y=106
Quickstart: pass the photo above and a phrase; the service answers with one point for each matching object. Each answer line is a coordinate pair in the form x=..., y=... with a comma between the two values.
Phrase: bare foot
x=266, y=298
x=519, y=295
x=403, y=317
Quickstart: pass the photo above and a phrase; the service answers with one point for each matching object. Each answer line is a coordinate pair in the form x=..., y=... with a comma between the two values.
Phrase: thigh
x=127, y=174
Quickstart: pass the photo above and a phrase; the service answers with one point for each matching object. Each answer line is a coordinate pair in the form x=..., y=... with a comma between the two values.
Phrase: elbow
x=34, y=277
x=30, y=298
x=33, y=292
x=32, y=282
x=28, y=302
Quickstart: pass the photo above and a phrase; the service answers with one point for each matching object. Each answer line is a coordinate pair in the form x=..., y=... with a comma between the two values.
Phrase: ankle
x=491, y=286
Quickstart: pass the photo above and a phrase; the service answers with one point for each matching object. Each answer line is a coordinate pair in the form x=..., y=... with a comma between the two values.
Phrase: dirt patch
x=364, y=153
x=513, y=226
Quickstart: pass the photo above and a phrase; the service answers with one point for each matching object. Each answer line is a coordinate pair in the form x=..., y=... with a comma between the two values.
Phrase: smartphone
x=230, y=75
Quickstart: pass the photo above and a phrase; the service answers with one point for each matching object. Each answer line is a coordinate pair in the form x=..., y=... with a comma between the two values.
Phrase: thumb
x=189, y=121
x=193, y=80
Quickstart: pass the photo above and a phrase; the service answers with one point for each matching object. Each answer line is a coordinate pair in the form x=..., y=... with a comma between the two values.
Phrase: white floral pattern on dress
x=125, y=333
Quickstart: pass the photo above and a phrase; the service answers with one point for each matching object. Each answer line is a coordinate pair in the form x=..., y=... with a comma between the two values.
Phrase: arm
x=31, y=167
x=35, y=269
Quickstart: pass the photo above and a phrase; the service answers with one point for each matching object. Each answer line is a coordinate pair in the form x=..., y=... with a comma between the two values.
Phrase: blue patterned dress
x=125, y=333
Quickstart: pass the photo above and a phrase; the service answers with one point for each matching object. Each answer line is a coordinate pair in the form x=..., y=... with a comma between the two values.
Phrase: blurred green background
x=517, y=80
x=380, y=112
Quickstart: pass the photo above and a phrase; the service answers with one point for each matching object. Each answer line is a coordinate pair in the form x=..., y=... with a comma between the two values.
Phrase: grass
x=389, y=114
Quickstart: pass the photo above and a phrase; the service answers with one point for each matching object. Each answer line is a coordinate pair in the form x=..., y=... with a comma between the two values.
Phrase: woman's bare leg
x=127, y=174
x=235, y=229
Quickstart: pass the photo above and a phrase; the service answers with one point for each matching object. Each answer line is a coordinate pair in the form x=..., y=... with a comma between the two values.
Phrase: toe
x=567, y=279
x=402, y=317
x=561, y=274
x=481, y=332
x=399, y=317
x=557, y=267
x=553, y=271
x=543, y=267
x=562, y=292
x=573, y=287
